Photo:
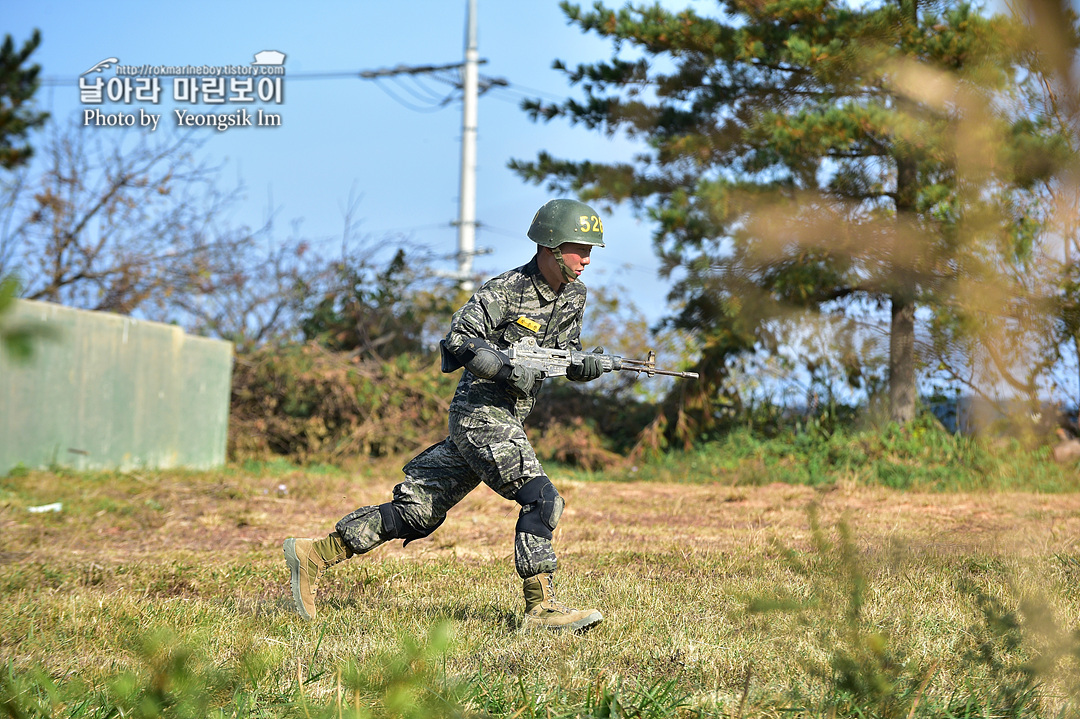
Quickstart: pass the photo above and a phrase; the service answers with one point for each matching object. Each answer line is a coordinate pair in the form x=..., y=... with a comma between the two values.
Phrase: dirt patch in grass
x=249, y=514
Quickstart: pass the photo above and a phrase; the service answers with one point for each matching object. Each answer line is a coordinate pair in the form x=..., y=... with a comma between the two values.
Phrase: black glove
x=590, y=368
x=520, y=381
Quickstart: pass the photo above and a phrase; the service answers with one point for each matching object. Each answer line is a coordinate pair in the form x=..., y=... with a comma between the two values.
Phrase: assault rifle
x=553, y=363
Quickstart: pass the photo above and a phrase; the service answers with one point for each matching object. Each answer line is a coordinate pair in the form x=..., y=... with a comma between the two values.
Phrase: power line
x=484, y=227
x=414, y=69
x=531, y=92
x=421, y=96
x=405, y=103
x=431, y=92
x=435, y=72
x=318, y=75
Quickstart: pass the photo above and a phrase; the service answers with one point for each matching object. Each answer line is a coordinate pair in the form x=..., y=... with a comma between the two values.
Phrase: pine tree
x=805, y=155
x=17, y=87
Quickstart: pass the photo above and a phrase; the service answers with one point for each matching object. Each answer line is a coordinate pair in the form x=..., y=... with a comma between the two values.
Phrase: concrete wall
x=107, y=391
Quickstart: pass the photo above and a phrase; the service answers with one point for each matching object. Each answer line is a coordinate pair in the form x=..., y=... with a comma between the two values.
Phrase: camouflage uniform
x=486, y=439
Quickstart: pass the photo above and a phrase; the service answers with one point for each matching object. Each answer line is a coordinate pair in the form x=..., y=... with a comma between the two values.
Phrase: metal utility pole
x=472, y=85
x=467, y=209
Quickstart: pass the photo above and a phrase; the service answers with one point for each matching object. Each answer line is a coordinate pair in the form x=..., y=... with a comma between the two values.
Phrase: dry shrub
x=311, y=404
x=576, y=443
x=651, y=442
x=611, y=419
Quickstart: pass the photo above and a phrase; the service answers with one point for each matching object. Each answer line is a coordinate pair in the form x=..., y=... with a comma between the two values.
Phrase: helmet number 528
x=591, y=223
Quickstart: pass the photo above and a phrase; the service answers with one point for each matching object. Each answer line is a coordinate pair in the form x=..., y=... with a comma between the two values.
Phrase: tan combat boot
x=306, y=558
x=542, y=610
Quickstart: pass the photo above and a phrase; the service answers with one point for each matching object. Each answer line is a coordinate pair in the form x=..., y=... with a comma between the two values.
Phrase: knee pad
x=541, y=507
x=396, y=526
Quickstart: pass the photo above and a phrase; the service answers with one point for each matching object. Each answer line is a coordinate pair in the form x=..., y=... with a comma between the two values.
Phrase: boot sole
x=294, y=577
x=584, y=625
x=579, y=627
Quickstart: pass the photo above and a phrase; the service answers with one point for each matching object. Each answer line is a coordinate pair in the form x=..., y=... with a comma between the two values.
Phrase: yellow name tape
x=531, y=325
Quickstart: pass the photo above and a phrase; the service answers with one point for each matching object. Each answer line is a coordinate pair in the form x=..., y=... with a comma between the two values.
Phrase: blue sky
x=345, y=136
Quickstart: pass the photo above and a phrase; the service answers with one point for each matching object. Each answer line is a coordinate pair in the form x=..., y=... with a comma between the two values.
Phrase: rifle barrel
x=669, y=373
x=650, y=369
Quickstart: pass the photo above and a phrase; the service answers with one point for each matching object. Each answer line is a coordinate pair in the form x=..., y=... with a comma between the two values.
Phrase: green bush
x=921, y=455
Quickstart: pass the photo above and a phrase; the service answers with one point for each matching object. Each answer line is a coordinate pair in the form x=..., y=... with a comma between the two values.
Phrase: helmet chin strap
x=568, y=274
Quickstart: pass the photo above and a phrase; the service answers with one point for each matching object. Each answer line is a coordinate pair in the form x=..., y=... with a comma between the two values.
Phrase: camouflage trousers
x=478, y=449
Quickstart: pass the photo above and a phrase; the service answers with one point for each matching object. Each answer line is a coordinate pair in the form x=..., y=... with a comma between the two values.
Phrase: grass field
x=166, y=594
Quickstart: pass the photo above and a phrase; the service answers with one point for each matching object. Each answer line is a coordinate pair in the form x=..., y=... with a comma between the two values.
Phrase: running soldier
x=543, y=299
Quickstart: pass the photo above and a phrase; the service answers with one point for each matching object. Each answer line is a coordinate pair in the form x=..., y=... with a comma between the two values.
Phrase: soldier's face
x=576, y=256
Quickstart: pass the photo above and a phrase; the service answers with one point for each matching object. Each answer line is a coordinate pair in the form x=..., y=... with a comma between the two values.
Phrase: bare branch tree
x=136, y=224
x=118, y=222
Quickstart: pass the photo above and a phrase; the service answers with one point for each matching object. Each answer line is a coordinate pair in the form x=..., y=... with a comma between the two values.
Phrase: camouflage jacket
x=505, y=309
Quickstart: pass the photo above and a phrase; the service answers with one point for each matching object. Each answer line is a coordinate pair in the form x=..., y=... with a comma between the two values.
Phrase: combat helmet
x=560, y=221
